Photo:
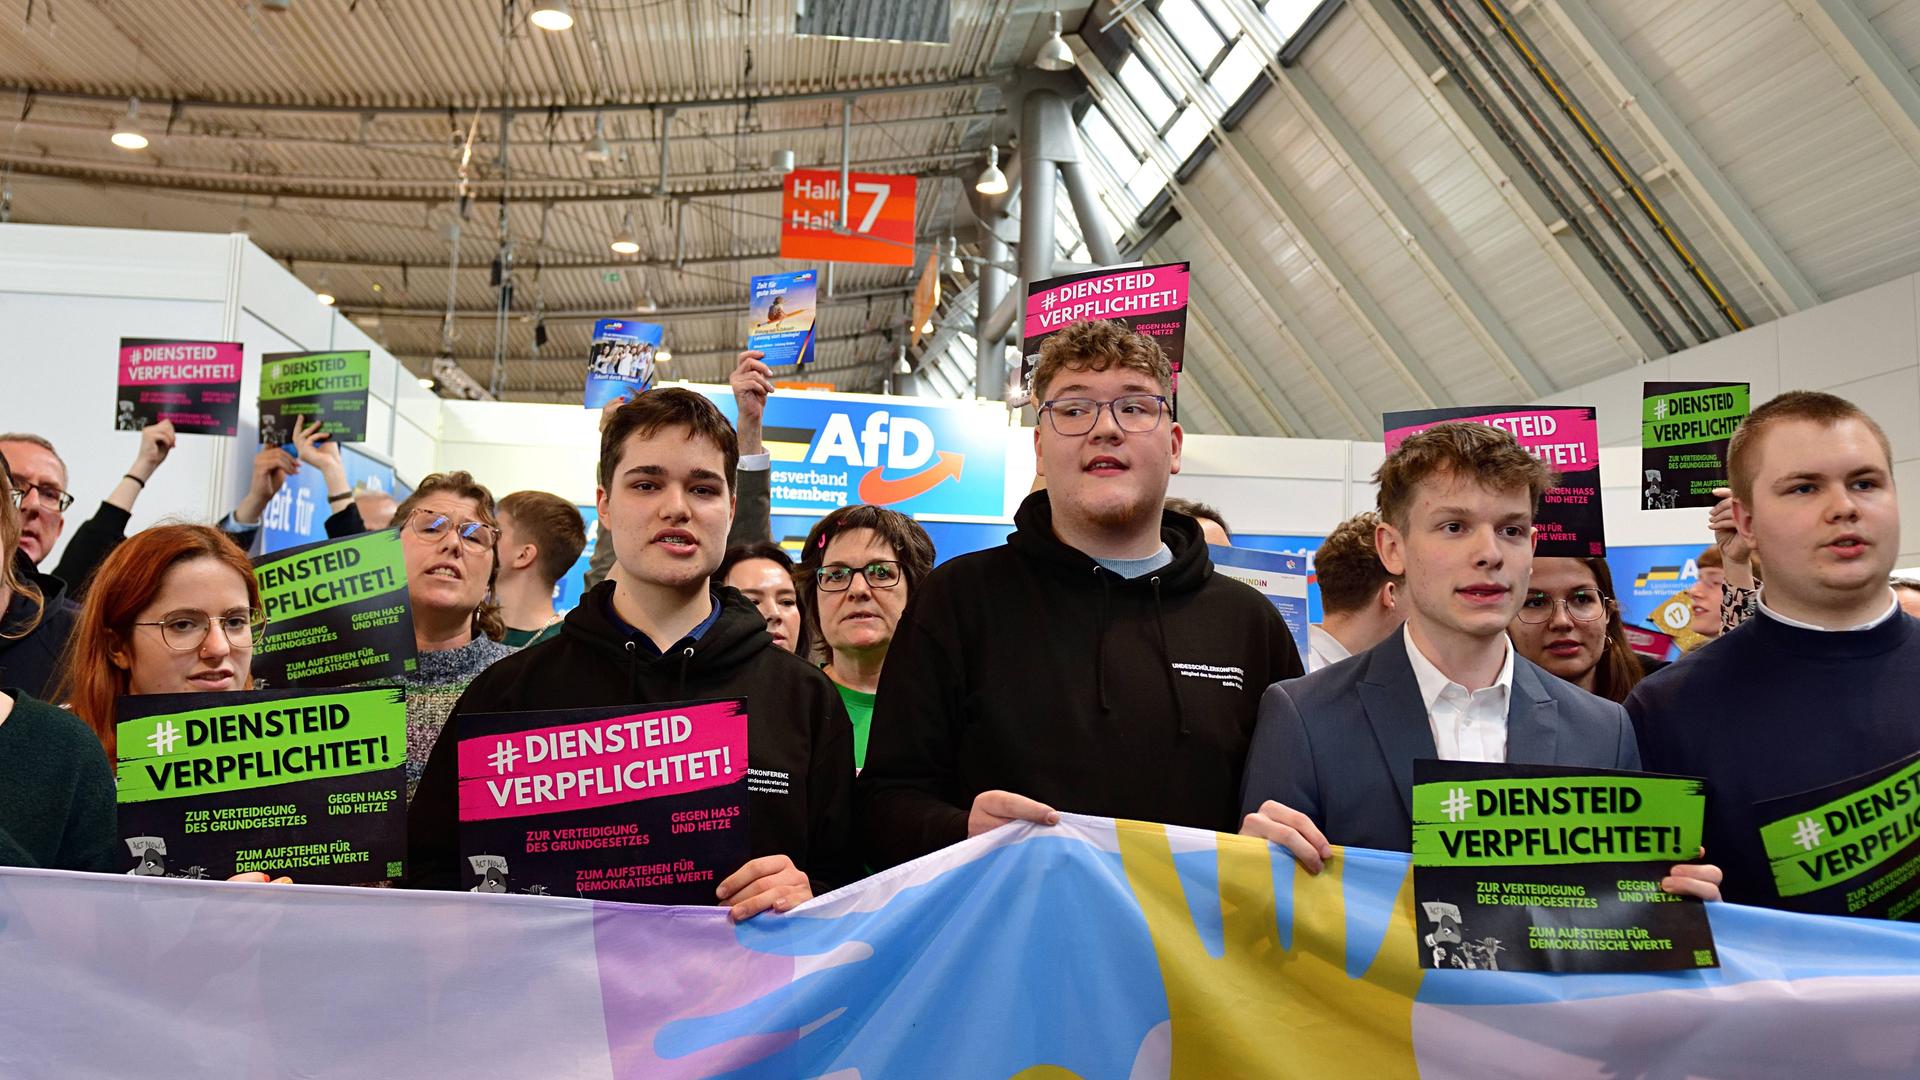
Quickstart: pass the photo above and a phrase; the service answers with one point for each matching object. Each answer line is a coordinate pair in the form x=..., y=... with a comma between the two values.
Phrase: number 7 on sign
x=879, y=193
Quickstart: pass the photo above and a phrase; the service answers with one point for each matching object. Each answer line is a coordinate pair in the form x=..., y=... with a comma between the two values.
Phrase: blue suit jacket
x=1339, y=744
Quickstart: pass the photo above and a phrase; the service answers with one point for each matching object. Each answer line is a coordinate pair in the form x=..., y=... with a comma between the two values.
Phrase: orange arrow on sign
x=880, y=491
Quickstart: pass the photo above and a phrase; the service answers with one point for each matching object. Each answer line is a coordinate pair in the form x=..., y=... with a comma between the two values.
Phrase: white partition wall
x=67, y=297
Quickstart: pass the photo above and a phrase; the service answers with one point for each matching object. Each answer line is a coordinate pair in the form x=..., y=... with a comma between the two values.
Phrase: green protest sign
x=1851, y=848
x=330, y=387
x=1684, y=431
x=337, y=612
x=1546, y=868
x=299, y=782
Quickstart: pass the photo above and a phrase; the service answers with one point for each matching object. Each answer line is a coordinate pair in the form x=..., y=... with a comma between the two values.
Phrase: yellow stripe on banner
x=1260, y=1009
x=788, y=451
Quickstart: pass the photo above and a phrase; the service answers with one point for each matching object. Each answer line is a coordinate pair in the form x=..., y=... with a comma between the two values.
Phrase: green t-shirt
x=860, y=711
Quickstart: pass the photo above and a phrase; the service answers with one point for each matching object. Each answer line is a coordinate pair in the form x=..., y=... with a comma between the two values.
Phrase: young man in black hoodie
x=656, y=630
x=1095, y=663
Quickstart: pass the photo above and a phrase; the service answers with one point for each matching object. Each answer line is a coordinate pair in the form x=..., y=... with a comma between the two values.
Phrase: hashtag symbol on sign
x=503, y=758
x=1456, y=804
x=1807, y=833
x=1049, y=300
x=164, y=738
x=1660, y=409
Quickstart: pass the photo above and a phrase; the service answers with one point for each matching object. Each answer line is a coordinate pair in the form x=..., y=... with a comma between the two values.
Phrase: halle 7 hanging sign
x=880, y=216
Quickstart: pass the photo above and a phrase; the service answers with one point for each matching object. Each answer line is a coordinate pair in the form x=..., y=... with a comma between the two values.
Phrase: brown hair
x=1619, y=668
x=670, y=407
x=123, y=586
x=461, y=484
x=910, y=543
x=10, y=578
x=1710, y=557
x=1347, y=566
x=1827, y=410
x=1488, y=455
x=1096, y=345
x=553, y=525
x=1198, y=511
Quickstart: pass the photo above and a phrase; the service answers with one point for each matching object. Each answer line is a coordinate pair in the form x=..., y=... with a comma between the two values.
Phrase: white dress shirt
x=1468, y=725
x=1893, y=608
x=1323, y=649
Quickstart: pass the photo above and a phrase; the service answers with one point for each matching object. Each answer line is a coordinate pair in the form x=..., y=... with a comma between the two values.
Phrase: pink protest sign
x=194, y=384
x=1149, y=300
x=616, y=803
x=1567, y=438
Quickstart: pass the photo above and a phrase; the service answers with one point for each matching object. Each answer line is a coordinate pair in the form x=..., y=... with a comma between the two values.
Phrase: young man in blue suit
x=1333, y=753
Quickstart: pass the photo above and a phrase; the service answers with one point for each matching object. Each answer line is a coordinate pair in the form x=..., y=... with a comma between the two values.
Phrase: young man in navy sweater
x=1821, y=686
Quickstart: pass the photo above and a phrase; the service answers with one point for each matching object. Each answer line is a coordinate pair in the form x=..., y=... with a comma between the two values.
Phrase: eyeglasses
x=433, y=525
x=49, y=496
x=1077, y=416
x=1583, y=605
x=186, y=631
x=881, y=574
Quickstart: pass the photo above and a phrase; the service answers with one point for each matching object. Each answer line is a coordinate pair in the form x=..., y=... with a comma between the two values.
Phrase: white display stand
x=67, y=297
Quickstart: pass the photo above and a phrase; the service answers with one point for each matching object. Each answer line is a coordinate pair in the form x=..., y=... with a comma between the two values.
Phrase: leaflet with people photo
x=1554, y=868
x=193, y=384
x=1851, y=848
x=337, y=612
x=780, y=316
x=310, y=785
x=325, y=387
x=646, y=805
x=621, y=363
x=1567, y=438
x=1149, y=300
x=1684, y=431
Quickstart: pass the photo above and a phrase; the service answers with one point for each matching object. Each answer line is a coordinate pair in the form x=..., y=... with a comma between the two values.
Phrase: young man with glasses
x=1093, y=664
x=1332, y=759
x=657, y=631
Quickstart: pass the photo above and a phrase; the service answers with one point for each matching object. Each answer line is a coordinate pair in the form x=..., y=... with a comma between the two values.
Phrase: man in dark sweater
x=655, y=632
x=1095, y=663
x=1821, y=686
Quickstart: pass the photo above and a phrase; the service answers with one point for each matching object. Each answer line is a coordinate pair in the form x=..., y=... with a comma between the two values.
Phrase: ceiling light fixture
x=624, y=242
x=663, y=355
x=900, y=365
x=127, y=134
x=991, y=180
x=953, y=265
x=425, y=383
x=598, y=150
x=783, y=161
x=1055, y=54
x=552, y=15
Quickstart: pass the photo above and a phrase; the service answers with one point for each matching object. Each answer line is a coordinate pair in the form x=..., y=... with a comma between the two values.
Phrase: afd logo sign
x=831, y=451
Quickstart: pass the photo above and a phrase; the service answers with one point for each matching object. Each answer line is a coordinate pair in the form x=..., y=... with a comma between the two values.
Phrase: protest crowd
x=1206, y=531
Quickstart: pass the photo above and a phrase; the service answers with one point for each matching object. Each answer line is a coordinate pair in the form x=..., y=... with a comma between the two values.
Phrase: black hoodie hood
x=1034, y=538
x=736, y=637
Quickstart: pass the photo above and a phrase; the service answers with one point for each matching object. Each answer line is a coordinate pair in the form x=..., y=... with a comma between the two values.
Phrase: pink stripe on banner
x=1567, y=439
x=1119, y=295
x=176, y=362
x=646, y=755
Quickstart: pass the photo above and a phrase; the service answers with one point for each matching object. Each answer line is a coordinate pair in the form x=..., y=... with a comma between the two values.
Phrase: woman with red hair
x=56, y=790
x=174, y=610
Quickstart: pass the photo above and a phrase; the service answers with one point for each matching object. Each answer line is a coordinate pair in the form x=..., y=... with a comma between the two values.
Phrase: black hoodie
x=799, y=741
x=30, y=662
x=1031, y=668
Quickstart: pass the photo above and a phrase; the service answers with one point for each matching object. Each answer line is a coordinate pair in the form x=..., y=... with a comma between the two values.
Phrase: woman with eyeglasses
x=448, y=537
x=56, y=788
x=856, y=572
x=1570, y=624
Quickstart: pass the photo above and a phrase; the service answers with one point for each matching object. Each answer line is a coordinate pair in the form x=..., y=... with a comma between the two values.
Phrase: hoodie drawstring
x=1173, y=684
x=1100, y=644
x=686, y=657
